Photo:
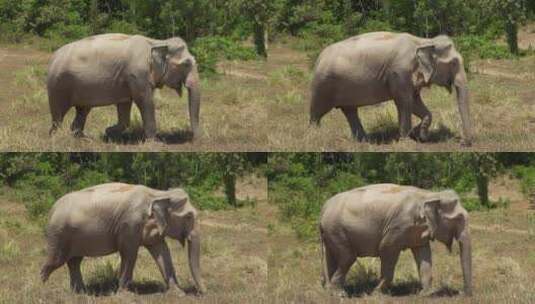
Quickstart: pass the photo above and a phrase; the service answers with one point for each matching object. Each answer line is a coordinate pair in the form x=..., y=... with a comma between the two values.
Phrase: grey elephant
x=113, y=217
x=382, y=220
x=375, y=67
x=120, y=69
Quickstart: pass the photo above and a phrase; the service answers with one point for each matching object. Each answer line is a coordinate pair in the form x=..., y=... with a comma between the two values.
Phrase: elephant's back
x=91, y=204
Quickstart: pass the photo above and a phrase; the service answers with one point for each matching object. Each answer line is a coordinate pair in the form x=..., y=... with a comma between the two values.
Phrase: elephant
x=120, y=69
x=381, y=220
x=107, y=218
x=375, y=67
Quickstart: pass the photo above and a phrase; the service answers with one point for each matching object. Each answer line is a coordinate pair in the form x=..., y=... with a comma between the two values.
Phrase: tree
x=513, y=13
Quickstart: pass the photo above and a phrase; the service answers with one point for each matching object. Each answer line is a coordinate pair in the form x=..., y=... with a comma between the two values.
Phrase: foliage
x=526, y=174
x=42, y=178
x=300, y=183
x=318, y=22
x=209, y=50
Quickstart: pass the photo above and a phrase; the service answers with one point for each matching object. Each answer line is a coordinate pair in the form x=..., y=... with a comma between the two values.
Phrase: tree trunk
x=229, y=181
x=511, y=29
x=260, y=39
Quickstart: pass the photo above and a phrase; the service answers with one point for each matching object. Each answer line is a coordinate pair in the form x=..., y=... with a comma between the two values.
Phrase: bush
x=527, y=180
x=479, y=47
x=209, y=50
x=121, y=26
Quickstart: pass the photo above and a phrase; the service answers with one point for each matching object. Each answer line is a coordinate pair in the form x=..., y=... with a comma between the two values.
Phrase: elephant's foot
x=80, y=134
x=115, y=130
x=419, y=133
x=336, y=291
x=361, y=138
x=426, y=292
x=466, y=143
x=78, y=288
x=177, y=292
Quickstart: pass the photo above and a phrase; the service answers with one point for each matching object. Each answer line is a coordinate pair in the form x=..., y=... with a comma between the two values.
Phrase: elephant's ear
x=426, y=65
x=190, y=226
x=159, y=208
x=429, y=211
x=158, y=63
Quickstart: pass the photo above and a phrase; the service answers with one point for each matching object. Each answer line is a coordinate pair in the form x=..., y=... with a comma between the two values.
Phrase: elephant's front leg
x=128, y=262
x=402, y=93
x=145, y=104
x=419, y=109
x=162, y=256
x=123, y=118
x=404, y=107
x=422, y=257
x=389, y=259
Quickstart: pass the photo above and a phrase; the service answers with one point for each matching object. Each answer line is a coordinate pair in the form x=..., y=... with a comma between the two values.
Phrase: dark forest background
x=217, y=28
x=300, y=183
x=39, y=179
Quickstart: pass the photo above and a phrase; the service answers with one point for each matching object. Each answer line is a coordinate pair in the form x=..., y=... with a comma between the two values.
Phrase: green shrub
x=61, y=34
x=479, y=47
x=121, y=26
x=209, y=50
x=527, y=179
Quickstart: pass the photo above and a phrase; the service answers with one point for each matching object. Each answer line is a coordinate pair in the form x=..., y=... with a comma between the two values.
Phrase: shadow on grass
x=366, y=286
x=136, y=136
x=390, y=134
x=109, y=286
x=444, y=291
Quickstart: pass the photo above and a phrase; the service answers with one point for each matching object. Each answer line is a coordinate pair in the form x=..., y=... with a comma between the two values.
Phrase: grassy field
x=263, y=106
x=502, y=107
x=503, y=263
x=233, y=113
x=233, y=260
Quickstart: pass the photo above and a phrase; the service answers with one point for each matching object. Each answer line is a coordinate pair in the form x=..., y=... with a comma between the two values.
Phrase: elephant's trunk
x=466, y=260
x=461, y=88
x=194, y=95
x=194, y=255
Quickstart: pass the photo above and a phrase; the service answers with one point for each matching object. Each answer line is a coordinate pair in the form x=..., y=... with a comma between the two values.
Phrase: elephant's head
x=177, y=218
x=173, y=65
x=439, y=63
x=447, y=220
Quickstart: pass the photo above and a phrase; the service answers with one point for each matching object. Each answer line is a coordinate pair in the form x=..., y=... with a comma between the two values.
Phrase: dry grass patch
x=503, y=269
x=233, y=262
x=501, y=112
x=232, y=112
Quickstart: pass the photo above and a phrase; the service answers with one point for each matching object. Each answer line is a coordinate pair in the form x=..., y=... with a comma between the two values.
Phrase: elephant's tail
x=324, y=278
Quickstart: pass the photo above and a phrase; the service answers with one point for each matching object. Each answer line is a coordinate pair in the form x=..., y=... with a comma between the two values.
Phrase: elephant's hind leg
x=53, y=262
x=330, y=266
x=344, y=260
x=77, y=282
x=59, y=105
x=78, y=124
x=352, y=116
x=319, y=105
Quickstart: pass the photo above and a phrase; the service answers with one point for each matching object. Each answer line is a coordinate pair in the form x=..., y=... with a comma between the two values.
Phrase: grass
x=233, y=107
x=233, y=261
x=502, y=100
x=503, y=264
x=263, y=106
